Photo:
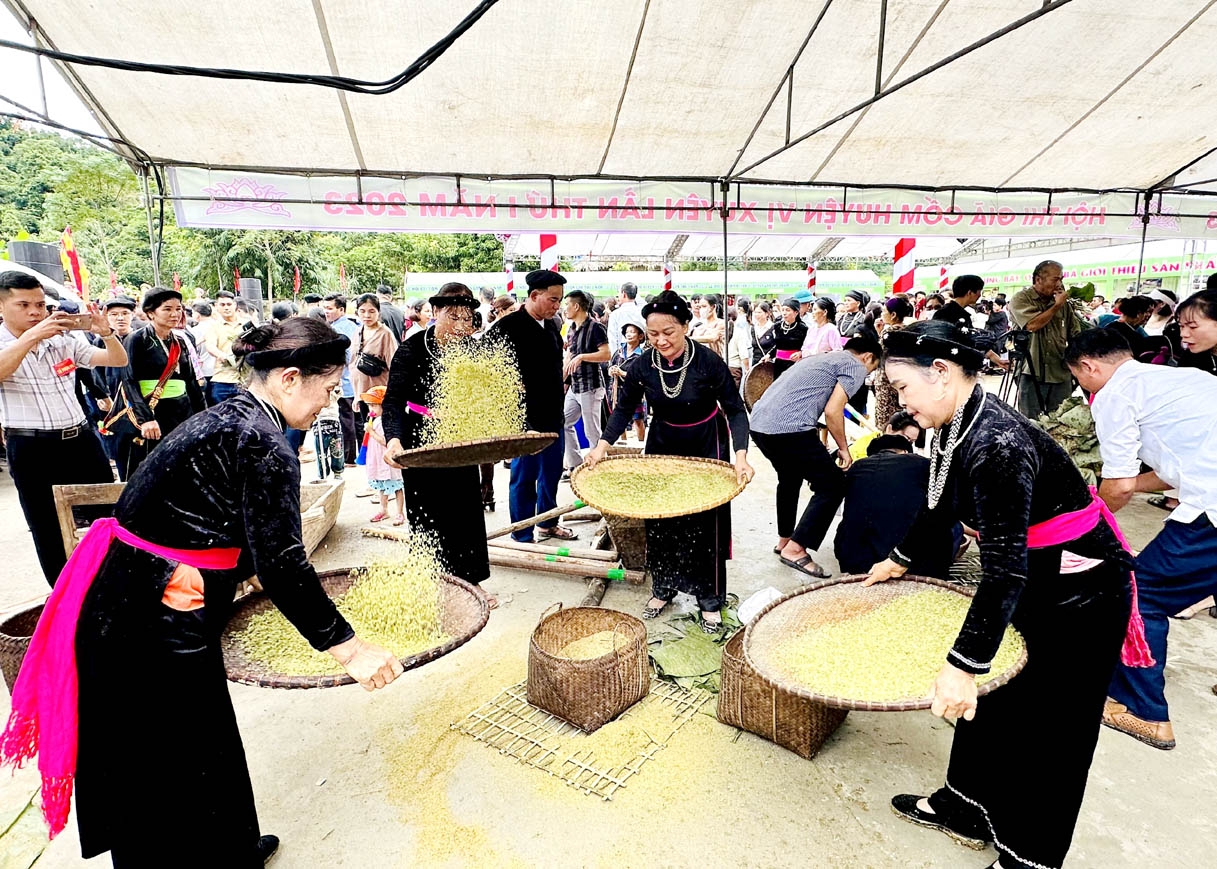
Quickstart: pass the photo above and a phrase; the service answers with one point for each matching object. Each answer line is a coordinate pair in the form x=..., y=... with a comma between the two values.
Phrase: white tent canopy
x=1088, y=94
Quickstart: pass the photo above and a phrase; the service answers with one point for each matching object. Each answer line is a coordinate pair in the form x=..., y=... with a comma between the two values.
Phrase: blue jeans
x=1177, y=569
x=217, y=392
x=534, y=487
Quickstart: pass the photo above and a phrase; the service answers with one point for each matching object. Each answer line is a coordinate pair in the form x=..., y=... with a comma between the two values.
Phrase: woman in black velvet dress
x=180, y=398
x=161, y=777
x=694, y=401
x=443, y=502
x=785, y=341
x=1021, y=755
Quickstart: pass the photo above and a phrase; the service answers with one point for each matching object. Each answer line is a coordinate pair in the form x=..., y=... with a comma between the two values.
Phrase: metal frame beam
x=1046, y=9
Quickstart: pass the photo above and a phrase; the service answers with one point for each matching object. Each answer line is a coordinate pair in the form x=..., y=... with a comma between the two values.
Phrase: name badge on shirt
x=64, y=368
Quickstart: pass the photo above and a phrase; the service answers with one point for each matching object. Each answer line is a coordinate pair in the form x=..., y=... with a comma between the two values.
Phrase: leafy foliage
x=48, y=182
x=1072, y=426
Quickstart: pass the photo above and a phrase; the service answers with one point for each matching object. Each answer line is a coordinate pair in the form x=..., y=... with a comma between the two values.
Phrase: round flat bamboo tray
x=657, y=464
x=483, y=451
x=465, y=612
x=833, y=601
x=756, y=381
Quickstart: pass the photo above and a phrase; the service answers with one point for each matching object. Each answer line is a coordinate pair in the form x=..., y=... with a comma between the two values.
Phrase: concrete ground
x=347, y=778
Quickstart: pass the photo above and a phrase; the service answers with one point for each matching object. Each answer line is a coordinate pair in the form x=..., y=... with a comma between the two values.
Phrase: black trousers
x=346, y=419
x=797, y=457
x=37, y=464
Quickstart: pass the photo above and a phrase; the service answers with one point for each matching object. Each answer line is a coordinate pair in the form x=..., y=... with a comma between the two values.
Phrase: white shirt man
x=1165, y=418
x=49, y=441
x=627, y=311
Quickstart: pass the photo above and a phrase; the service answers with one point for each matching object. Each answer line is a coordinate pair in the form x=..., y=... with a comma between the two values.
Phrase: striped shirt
x=796, y=400
x=41, y=393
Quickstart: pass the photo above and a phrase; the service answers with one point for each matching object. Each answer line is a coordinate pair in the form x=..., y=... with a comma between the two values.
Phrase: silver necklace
x=672, y=392
x=940, y=456
x=786, y=329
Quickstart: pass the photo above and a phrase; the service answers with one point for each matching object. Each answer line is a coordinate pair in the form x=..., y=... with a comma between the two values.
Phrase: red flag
x=296, y=282
x=342, y=277
x=113, y=281
x=177, y=282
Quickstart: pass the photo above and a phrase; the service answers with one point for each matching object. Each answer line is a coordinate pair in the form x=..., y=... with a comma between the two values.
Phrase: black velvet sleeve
x=629, y=396
x=271, y=512
x=393, y=409
x=1000, y=480
x=136, y=346
x=732, y=403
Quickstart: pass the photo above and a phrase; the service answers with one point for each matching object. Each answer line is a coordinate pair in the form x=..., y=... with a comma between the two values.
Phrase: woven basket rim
x=636, y=625
x=749, y=402
x=726, y=467
x=866, y=705
x=483, y=450
x=239, y=673
x=13, y=615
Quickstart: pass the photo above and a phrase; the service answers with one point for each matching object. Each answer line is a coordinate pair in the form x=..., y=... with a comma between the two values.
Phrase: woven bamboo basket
x=746, y=701
x=465, y=612
x=756, y=381
x=590, y=693
x=832, y=601
x=657, y=463
x=15, y=634
x=629, y=536
x=483, y=451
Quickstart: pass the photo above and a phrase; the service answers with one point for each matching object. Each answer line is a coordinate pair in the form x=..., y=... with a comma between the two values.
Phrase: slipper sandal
x=653, y=612
x=777, y=550
x=711, y=626
x=905, y=806
x=399, y=520
x=557, y=533
x=379, y=517
x=1159, y=501
x=801, y=567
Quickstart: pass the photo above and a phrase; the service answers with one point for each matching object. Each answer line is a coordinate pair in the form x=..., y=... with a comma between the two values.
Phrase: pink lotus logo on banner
x=246, y=189
x=1166, y=217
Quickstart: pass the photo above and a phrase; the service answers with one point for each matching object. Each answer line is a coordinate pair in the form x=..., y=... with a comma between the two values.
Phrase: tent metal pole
x=726, y=188
x=33, y=31
x=152, y=242
x=1144, y=229
x=879, y=53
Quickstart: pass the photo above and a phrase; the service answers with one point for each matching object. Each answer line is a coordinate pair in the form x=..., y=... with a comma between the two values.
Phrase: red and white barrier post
x=902, y=273
x=549, y=252
x=942, y=279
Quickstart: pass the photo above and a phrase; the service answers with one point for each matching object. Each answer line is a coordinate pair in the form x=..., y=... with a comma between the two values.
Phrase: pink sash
x=713, y=414
x=44, y=716
x=419, y=409
x=785, y=355
x=1070, y=526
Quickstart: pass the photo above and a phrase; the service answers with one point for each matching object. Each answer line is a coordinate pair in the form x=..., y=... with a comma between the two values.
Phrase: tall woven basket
x=591, y=693
x=747, y=702
x=629, y=536
x=15, y=634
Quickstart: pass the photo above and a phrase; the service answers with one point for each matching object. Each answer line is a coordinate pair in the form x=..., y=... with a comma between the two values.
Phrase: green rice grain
x=892, y=653
x=394, y=603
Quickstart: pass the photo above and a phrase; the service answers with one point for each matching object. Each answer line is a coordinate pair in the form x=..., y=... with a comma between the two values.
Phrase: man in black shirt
x=391, y=315
x=965, y=292
x=537, y=343
x=883, y=494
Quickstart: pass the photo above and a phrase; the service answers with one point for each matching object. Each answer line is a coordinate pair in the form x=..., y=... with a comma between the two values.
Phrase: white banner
x=207, y=198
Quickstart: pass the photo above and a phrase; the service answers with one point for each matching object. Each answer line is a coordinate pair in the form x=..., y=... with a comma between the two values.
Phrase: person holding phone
x=50, y=443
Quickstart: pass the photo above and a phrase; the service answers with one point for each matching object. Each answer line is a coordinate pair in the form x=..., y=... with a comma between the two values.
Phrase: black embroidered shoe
x=905, y=806
x=267, y=846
